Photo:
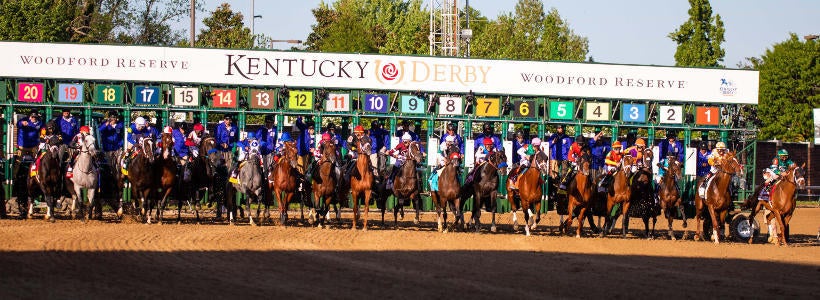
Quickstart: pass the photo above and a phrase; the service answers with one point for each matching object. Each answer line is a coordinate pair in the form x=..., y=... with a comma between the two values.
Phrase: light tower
x=445, y=28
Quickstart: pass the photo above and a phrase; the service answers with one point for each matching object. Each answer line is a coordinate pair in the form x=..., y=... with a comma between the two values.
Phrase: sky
x=623, y=31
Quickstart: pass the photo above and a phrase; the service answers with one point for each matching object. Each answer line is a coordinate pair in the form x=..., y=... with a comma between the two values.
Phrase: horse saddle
x=702, y=190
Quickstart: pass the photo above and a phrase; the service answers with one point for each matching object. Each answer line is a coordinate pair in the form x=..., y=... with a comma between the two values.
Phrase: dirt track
x=73, y=260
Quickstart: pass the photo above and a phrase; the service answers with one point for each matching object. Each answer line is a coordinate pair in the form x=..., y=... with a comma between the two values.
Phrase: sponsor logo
x=727, y=87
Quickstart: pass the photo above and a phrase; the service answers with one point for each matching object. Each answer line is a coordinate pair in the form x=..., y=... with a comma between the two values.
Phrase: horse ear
x=803, y=165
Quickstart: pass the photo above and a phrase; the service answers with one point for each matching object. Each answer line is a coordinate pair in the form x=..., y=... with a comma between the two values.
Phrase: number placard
x=488, y=107
x=146, y=95
x=300, y=100
x=525, y=109
x=109, y=94
x=262, y=99
x=671, y=114
x=376, y=103
x=562, y=110
x=707, y=115
x=223, y=98
x=453, y=106
x=412, y=104
x=633, y=113
x=30, y=92
x=186, y=96
x=597, y=111
x=70, y=93
x=337, y=102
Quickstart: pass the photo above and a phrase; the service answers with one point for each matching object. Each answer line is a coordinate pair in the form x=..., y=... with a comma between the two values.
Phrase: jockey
x=442, y=158
x=86, y=139
x=613, y=159
x=780, y=164
x=136, y=132
x=486, y=148
x=408, y=127
x=636, y=151
x=69, y=127
x=451, y=132
x=400, y=153
x=575, y=152
x=351, y=144
x=194, y=139
x=335, y=137
x=280, y=145
x=179, y=143
x=247, y=147
x=525, y=153
x=317, y=152
x=714, y=159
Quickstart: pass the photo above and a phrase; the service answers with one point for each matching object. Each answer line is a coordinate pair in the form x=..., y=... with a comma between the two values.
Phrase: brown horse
x=782, y=203
x=362, y=186
x=165, y=174
x=201, y=180
x=530, y=191
x=324, y=184
x=579, y=195
x=282, y=180
x=140, y=175
x=619, y=193
x=406, y=184
x=718, y=197
x=46, y=181
x=484, y=189
x=669, y=194
x=448, y=192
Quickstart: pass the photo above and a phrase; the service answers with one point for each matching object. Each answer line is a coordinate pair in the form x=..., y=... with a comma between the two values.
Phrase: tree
x=33, y=20
x=148, y=22
x=789, y=89
x=224, y=29
x=699, y=38
x=530, y=34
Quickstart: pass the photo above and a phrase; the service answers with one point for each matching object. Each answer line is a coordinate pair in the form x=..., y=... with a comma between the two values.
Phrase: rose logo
x=389, y=72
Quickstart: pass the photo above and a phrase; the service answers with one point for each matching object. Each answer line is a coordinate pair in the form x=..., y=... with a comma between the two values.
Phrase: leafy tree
x=148, y=22
x=225, y=29
x=35, y=20
x=699, y=38
x=530, y=34
x=789, y=89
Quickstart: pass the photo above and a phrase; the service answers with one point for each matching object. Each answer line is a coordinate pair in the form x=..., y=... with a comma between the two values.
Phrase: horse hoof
x=492, y=229
x=684, y=224
x=515, y=228
x=119, y=213
x=416, y=221
x=577, y=236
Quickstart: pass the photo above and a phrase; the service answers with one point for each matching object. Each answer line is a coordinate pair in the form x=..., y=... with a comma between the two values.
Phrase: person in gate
x=400, y=154
x=559, y=144
x=28, y=133
x=599, y=148
x=268, y=135
x=702, y=168
x=112, y=133
x=518, y=143
x=69, y=126
x=780, y=164
x=671, y=147
x=280, y=145
x=226, y=137
x=380, y=143
x=578, y=148
x=526, y=153
x=304, y=143
x=407, y=126
x=715, y=158
x=613, y=159
x=487, y=131
x=451, y=132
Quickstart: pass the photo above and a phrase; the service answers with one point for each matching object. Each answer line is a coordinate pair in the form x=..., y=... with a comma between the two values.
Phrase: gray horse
x=85, y=175
x=250, y=183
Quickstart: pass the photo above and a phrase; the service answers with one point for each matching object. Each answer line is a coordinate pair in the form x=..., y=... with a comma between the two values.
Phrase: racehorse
x=642, y=201
x=669, y=194
x=46, y=181
x=202, y=170
x=530, y=191
x=324, y=184
x=619, y=194
x=362, y=186
x=718, y=196
x=165, y=173
x=405, y=186
x=141, y=175
x=782, y=202
x=485, y=188
x=448, y=191
x=282, y=180
x=579, y=195
x=85, y=176
x=250, y=183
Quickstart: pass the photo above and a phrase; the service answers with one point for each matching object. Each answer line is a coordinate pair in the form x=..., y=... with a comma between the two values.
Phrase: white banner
x=817, y=126
x=376, y=72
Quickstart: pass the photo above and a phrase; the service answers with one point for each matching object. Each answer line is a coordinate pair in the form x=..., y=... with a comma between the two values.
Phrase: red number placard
x=30, y=92
x=707, y=115
x=224, y=98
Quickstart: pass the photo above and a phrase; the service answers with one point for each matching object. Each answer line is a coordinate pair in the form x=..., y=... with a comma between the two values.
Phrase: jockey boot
x=392, y=177
x=234, y=175
x=603, y=183
x=566, y=180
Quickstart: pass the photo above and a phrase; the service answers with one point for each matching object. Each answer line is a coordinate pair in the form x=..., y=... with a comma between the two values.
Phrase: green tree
x=148, y=22
x=35, y=20
x=530, y=34
x=699, y=39
x=789, y=89
x=225, y=29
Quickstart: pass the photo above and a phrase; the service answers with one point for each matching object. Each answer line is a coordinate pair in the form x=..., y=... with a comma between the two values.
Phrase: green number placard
x=562, y=110
x=108, y=94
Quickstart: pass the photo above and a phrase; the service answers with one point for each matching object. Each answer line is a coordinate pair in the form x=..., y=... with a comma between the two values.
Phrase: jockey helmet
x=251, y=135
x=450, y=139
x=640, y=142
x=720, y=146
x=325, y=137
x=406, y=137
x=167, y=129
x=580, y=139
x=536, y=142
x=487, y=141
x=140, y=121
x=358, y=129
x=616, y=144
x=454, y=155
x=198, y=127
x=451, y=126
x=286, y=137
x=85, y=129
x=782, y=152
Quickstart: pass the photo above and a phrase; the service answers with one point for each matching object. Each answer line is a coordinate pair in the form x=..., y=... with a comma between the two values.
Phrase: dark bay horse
x=165, y=173
x=484, y=189
x=141, y=176
x=324, y=184
x=46, y=182
x=449, y=189
x=642, y=202
x=619, y=193
x=405, y=186
x=362, y=186
x=782, y=204
x=718, y=197
x=530, y=191
x=579, y=195
x=669, y=194
x=282, y=180
x=202, y=170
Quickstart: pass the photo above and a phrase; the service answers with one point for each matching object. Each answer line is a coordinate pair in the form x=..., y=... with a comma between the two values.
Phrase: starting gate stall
x=354, y=89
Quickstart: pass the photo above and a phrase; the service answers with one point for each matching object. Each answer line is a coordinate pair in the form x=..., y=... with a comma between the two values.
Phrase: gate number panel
x=525, y=109
x=109, y=94
x=146, y=95
x=453, y=106
x=707, y=115
x=337, y=102
x=70, y=93
x=633, y=113
x=562, y=110
x=262, y=99
x=30, y=92
x=300, y=100
x=376, y=103
x=671, y=114
x=412, y=105
x=224, y=98
x=597, y=111
x=488, y=107
x=186, y=96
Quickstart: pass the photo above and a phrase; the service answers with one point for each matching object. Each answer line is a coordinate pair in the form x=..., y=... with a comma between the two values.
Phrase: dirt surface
x=103, y=259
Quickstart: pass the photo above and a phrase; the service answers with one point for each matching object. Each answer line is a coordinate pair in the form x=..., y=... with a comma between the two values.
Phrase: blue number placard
x=70, y=93
x=633, y=113
x=146, y=95
x=376, y=103
x=412, y=105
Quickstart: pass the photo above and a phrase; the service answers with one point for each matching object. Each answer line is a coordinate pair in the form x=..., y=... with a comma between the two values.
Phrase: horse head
x=584, y=164
x=208, y=148
x=87, y=145
x=329, y=152
x=499, y=160
x=414, y=152
x=729, y=164
x=797, y=175
x=52, y=128
x=626, y=161
x=364, y=145
x=541, y=162
x=290, y=153
x=147, y=148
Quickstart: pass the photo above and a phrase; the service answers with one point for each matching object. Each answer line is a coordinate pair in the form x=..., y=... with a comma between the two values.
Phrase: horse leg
x=419, y=206
x=527, y=214
x=396, y=207
x=681, y=212
x=581, y=214
x=625, y=215
x=366, y=210
x=785, y=234
x=354, y=196
x=781, y=240
x=537, y=214
x=566, y=224
x=715, y=224
x=93, y=202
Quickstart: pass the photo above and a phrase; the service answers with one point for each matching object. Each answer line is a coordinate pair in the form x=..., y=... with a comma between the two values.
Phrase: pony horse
x=782, y=203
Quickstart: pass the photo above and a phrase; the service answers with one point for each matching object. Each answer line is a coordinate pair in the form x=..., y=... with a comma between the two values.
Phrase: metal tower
x=444, y=28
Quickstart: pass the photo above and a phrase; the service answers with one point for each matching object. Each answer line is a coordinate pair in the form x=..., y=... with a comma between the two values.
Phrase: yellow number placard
x=302, y=100
x=488, y=107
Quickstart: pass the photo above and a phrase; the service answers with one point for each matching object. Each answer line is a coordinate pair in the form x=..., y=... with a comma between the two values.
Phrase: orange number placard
x=707, y=115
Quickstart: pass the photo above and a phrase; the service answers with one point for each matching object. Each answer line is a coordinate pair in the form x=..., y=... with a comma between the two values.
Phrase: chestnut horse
x=448, y=192
x=324, y=184
x=361, y=187
x=619, y=193
x=406, y=184
x=782, y=203
x=669, y=194
x=165, y=174
x=718, y=197
x=529, y=192
x=282, y=180
x=579, y=195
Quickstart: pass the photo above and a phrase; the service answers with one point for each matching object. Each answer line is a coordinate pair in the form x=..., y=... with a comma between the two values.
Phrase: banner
x=376, y=72
x=817, y=126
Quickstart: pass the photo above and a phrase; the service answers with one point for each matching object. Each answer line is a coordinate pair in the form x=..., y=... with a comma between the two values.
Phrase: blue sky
x=623, y=31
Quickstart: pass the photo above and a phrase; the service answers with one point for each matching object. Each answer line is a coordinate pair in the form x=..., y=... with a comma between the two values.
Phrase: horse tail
x=751, y=201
